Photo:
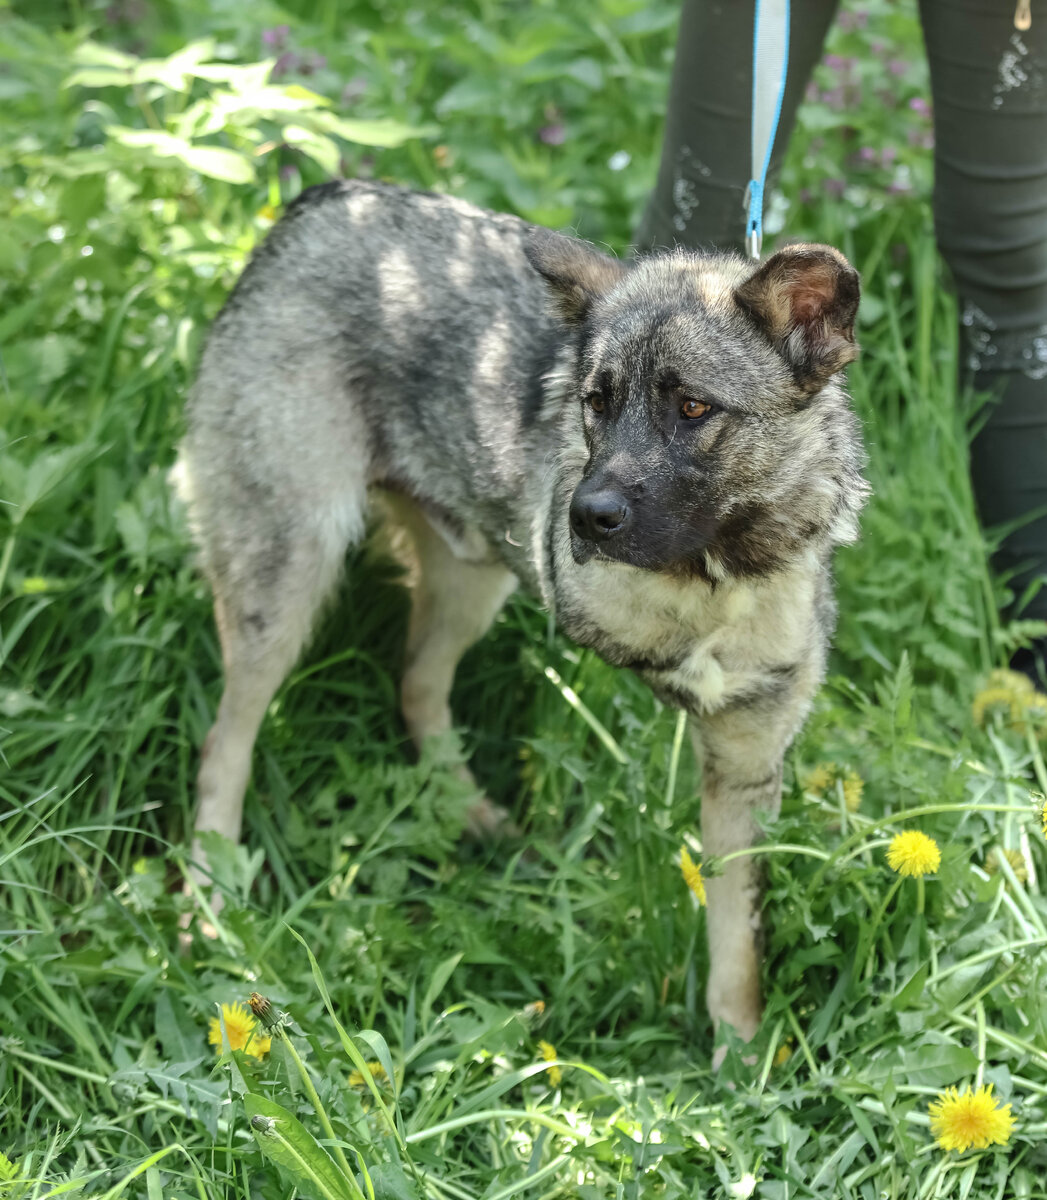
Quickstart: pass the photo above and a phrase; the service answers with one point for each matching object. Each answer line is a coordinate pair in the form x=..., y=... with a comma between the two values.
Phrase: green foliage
x=146, y=149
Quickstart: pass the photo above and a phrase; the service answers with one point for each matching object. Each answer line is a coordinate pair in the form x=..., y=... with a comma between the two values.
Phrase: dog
x=662, y=450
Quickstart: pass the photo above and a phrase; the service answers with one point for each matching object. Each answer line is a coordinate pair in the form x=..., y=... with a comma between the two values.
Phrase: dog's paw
x=487, y=821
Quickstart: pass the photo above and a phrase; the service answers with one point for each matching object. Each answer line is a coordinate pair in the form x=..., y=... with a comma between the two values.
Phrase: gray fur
x=389, y=342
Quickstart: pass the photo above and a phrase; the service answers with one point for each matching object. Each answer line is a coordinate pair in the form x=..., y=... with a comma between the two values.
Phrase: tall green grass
x=352, y=904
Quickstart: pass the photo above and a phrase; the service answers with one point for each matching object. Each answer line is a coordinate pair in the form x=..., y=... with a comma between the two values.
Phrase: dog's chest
x=696, y=645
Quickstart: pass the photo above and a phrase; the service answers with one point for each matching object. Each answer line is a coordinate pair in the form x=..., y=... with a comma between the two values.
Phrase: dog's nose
x=598, y=515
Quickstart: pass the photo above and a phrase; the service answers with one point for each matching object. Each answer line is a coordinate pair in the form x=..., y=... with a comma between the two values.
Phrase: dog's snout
x=599, y=513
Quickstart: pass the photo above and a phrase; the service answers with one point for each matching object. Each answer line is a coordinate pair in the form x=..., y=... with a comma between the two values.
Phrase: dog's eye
x=694, y=410
x=595, y=402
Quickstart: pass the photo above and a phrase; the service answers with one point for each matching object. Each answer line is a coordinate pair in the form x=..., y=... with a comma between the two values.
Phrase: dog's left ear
x=805, y=299
x=577, y=272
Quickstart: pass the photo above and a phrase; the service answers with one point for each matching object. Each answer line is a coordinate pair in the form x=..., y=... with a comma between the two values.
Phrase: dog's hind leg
x=452, y=606
x=272, y=549
x=265, y=606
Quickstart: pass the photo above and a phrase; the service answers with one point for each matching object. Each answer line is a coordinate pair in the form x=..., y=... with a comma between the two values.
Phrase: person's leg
x=706, y=159
x=989, y=83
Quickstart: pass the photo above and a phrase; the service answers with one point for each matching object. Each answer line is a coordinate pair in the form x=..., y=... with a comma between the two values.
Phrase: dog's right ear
x=577, y=272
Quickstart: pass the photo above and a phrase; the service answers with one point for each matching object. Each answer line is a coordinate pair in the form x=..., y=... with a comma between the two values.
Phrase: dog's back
x=371, y=316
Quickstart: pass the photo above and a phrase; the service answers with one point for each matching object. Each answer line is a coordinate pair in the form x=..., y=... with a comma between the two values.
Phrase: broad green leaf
x=933, y=1062
x=284, y=1139
x=217, y=163
x=379, y=132
x=94, y=54
x=316, y=145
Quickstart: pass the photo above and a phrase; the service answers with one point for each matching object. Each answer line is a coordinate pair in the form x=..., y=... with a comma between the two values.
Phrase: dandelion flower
x=821, y=779
x=692, y=875
x=1013, y=694
x=959, y=1122
x=783, y=1054
x=377, y=1071
x=241, y=1030
x=1043, y=817
x=826, y=775
x=548, y=1051
x=1014, y=857
x=852, y=791
x=913, y=853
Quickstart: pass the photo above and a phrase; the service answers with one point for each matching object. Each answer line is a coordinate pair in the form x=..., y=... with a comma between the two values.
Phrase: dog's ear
x=805, y=299
x=577, y=272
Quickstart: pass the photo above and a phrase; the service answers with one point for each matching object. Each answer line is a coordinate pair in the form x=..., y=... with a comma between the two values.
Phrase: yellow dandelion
x=783, y=1054
x=853, y=787
x=548, y=1051
x=1014, y=857
x=959, y=1122
x=1043, y=817
x=826, y=775
x=1013, y=695
x=534, y=1010
x=692, y=875
x=241, y=1029
x=913, y=853
x=356, y=1078
x=8, y=1169
x=267, y=213
x=821, y=778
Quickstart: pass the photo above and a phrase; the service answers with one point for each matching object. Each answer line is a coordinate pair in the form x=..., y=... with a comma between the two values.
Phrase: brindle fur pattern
x=410, y=353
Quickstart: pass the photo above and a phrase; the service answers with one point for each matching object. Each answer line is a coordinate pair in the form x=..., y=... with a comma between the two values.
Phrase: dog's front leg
x=741, y=749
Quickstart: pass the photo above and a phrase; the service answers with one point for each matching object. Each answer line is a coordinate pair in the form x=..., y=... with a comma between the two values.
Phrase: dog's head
x=719, y=439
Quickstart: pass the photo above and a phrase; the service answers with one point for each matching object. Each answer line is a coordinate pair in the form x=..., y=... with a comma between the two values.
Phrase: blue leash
x=770, y=67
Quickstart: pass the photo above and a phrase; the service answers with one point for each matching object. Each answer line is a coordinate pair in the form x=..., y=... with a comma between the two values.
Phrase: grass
x=352, y=904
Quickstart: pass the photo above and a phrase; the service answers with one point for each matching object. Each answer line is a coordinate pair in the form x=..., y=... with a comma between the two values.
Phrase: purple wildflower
x=276, y=37
x=850, y=21
x=553, y=135
x=897, y=66
x=836, y=62
x=285, y=63
x=919, y=105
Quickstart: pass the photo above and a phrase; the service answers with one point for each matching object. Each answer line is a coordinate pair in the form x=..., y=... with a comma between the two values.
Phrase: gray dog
x=663, y=451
